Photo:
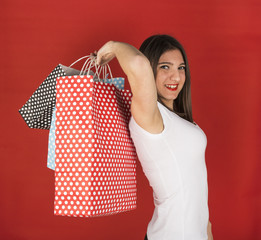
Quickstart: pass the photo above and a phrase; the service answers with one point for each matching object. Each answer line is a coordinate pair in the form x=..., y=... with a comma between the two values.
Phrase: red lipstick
x=172, y=87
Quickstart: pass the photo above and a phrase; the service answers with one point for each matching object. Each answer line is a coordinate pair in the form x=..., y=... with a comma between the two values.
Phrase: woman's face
x=170, y=76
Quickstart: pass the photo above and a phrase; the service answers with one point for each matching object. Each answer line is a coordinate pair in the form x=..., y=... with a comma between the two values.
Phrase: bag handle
x=100, y=71
x=91, y=62
x=106, y=71
x=86, y=63
x=88, y=56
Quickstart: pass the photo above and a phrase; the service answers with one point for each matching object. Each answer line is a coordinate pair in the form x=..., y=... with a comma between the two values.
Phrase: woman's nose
x=175, y=75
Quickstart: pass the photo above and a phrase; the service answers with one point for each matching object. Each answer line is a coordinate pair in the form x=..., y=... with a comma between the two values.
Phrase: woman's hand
x=210, y=236
x=105, y=54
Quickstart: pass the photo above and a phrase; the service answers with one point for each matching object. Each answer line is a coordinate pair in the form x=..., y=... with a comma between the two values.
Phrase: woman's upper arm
x=144, y=106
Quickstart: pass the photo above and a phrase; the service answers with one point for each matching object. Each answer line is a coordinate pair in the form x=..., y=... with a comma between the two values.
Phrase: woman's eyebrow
x=170, y=63
x=165, y=63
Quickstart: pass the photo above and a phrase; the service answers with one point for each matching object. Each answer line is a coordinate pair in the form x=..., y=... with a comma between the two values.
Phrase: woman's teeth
x=171, y=86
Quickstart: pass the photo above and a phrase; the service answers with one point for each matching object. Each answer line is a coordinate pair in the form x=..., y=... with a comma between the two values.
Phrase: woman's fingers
x=94, y=54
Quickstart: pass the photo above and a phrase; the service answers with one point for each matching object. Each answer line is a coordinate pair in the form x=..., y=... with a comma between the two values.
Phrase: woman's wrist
x=111, y=45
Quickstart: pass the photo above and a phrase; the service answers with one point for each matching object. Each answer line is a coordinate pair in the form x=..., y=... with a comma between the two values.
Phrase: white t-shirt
x=174, y=163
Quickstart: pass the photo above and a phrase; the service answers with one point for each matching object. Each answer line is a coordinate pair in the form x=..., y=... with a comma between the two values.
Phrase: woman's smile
x=171, y=87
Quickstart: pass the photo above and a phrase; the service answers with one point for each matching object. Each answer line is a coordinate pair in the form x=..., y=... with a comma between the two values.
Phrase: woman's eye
x=182, y=68
x=164, y=67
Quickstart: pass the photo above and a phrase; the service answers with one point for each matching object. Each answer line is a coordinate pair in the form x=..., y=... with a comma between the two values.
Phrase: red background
x=222, y=39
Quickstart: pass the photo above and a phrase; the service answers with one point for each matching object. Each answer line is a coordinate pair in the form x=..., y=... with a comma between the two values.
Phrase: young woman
x=170, y=146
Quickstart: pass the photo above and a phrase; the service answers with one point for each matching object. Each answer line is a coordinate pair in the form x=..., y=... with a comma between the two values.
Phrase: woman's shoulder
x=165, y=112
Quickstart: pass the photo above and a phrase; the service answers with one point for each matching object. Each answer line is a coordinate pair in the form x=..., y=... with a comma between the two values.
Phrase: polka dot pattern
x=117, y=82
x=95, y=172
x=37, y=111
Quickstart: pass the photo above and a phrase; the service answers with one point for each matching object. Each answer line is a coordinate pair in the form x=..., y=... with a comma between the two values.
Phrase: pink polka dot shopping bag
x=95, y=159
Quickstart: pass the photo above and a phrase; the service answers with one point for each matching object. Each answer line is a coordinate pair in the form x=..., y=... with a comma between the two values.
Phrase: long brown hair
x=153, y=47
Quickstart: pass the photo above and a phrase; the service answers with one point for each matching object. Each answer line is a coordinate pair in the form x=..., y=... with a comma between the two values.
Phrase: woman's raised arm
x=137, y=67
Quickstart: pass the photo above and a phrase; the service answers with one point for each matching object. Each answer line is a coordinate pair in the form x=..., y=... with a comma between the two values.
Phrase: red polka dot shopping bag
x=95, y=159
x=118, y=82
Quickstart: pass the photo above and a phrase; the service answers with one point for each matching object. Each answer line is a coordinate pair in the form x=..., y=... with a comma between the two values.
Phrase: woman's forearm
x=131, y=60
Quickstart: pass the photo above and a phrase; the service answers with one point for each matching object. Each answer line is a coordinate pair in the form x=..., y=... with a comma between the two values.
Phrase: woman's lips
x=171, y=87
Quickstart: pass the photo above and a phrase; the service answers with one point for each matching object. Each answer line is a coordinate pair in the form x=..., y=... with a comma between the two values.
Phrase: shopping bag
x=95, y=163
x=118, y=82
x=51, y=143
x=37, y=111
